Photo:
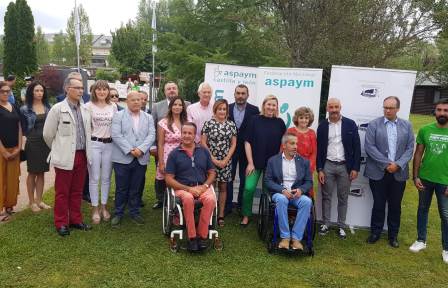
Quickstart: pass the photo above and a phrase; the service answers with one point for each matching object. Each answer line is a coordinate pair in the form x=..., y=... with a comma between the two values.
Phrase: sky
x=52, y=15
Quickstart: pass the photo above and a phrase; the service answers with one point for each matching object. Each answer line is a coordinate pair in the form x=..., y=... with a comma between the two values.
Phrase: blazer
x=60, y=134
x=350, y=141
x=251, y=110
x=125, y=138
x=273, y=177
x=377, y=148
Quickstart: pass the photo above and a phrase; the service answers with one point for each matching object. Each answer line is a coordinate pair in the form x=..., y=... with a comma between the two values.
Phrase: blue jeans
x=424, y=202
x=303, y=205
x=128, y=178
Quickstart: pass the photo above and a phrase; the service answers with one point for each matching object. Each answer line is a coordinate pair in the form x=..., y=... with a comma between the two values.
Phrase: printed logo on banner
x=225, y=76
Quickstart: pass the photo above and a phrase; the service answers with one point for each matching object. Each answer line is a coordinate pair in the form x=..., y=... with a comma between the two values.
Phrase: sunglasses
x=113, y=96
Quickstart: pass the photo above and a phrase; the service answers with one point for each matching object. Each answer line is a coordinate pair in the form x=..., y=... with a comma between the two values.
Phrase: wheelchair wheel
x=269, y=245
x=260, y=223
x=166, y=214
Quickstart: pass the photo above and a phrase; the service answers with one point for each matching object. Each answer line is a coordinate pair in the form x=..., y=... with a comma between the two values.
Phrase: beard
x=442, y=120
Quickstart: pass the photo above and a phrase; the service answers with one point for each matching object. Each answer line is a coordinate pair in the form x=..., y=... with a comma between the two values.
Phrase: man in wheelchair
x=190, y=172
x=288, y=179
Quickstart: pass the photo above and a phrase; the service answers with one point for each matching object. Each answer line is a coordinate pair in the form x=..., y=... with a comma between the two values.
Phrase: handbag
x=22, y=155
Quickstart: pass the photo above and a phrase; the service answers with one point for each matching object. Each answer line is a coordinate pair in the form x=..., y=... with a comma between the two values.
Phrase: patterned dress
x=172, y=140
x=219, y=139
x=306, y=147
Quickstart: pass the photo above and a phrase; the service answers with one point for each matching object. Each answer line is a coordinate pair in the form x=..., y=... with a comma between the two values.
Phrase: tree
x=85, y=48
x=58, y=54
x=321, y=33
x=42, y=48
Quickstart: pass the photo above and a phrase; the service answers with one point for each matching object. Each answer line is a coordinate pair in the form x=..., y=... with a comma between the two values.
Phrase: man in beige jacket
x=67, y=132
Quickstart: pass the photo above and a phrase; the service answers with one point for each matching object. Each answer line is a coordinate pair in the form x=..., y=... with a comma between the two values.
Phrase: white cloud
x=104, y=15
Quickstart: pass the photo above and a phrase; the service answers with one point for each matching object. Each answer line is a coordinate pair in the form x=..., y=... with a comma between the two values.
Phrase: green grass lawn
x=33, y=255
x=419, y=120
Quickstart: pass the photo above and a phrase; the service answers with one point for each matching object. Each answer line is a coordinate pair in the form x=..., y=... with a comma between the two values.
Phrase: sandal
x=34, y=207
x=5, y=218
x=221, y=221
x=10, y=211
x=42, y=205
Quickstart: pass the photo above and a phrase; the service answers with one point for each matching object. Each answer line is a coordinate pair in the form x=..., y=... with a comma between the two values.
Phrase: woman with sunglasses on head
x=10, y=146
x=115, y=98
x=262, y=141
x=102, y=111
x=169, y=136
x=219, y=136
x=34, y=113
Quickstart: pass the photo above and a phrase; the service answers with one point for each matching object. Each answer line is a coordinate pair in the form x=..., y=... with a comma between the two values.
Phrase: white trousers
x=100, y=168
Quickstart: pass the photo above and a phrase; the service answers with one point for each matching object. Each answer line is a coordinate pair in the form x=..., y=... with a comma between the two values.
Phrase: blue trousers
x=303, y=205
x=424, y=202
x=128, y=178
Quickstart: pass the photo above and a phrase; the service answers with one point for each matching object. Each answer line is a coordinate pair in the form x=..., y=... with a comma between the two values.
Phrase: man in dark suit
x=389, y=145
x=288, y=179
x=159, y=111
x=338, y=162
x=240, y=112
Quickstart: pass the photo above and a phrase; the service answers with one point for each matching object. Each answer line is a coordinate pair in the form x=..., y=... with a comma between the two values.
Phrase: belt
x=336, y=162
x=104, y=140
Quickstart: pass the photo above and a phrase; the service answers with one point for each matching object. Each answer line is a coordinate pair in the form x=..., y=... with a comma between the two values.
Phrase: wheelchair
x=174, y=225
x=268, y=227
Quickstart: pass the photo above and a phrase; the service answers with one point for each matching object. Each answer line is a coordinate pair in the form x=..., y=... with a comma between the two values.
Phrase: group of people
x=200, y=145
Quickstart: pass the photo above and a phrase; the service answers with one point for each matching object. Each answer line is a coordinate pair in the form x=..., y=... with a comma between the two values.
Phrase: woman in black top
x=34, y=113
x=263, y=141
x=10, y=145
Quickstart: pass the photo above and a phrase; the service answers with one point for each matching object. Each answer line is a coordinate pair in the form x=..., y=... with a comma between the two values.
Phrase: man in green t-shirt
x=431, y=174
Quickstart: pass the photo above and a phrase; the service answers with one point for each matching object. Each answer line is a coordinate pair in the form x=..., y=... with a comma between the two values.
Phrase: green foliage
x=20, y=50
x=42, y=48
x=58, y=49
x=2, y=49
x=85, y=48
x=110, y=76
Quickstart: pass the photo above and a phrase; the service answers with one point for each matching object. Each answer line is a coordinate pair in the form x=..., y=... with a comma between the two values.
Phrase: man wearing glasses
x=190, y=172
x=389, y=145
x=67, y=132
x=115, y=98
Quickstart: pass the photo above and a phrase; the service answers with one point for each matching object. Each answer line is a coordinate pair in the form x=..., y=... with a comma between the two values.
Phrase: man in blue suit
x=338, y=162
x=288, y=179
x=240, y=112
x=133, y=134
x=389, y=145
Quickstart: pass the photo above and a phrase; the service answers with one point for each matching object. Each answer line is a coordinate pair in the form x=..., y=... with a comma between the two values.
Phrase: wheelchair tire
x=166, y=215
x=260, y=228
x=269, y=245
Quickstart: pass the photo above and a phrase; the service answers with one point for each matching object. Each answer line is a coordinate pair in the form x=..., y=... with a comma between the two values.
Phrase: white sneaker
x=418, y=246
x=445, y=256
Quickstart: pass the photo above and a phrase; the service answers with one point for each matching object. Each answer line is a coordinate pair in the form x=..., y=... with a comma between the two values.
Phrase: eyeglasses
x=5, y=91
x=113, y=96
x=77, y=87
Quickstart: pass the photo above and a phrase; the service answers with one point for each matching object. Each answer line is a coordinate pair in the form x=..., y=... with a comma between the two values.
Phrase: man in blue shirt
x=11, y=81
x=190, y=172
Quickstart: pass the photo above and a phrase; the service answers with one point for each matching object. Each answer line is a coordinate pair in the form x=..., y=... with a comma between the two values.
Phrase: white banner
x=362, y=91
x=294, y=87
x=224, y=78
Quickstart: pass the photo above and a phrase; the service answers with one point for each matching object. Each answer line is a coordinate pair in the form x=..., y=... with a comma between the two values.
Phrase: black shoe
x=157, y=205
x=393, y=242
x=81, y=226
x=63, y=231
x=193, y=245
x=202, y=244
x=373, y=238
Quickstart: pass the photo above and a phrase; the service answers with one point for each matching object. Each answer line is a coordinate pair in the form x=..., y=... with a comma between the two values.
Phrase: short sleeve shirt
x=434, y=165
x=189, y=170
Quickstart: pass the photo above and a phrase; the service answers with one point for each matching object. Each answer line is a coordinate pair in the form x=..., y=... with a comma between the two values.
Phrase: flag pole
x=77, y=34
x=154, y=48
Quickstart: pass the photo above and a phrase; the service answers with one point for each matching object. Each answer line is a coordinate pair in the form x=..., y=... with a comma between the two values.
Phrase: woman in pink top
x=306, y=137
x=168, y=133
x=102, y=111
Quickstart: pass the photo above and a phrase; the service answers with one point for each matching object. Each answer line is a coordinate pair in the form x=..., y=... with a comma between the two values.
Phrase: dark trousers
x=240, y=160
x=159, y=186
x=68, y=188
x=86, y=191
x=128, y=178
x=141, y=188
x=391, y=191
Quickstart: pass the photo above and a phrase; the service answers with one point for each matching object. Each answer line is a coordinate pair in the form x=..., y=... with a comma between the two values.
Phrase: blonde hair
x=303, y=111
x=266, y=99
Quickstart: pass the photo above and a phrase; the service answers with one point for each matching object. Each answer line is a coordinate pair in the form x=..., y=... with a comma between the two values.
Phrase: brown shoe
x=296, y=245
x=284, y=244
